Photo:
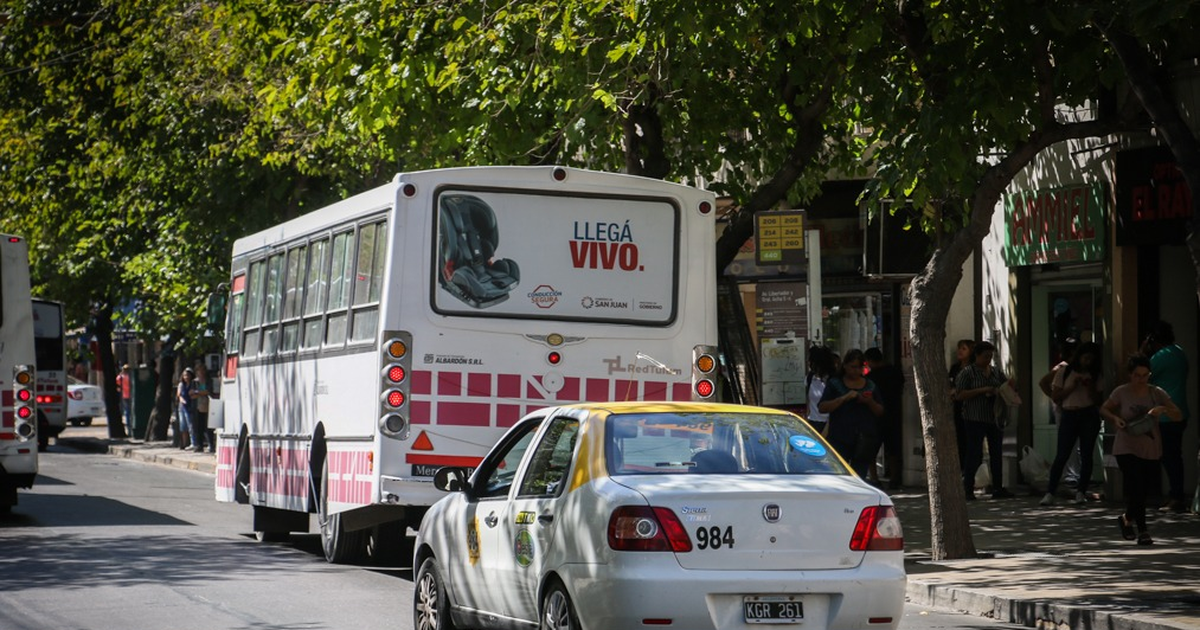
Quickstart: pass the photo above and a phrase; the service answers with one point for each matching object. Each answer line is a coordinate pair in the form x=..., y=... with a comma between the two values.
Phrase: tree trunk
x=102, y=327
x=160, y=417
x=932, y=292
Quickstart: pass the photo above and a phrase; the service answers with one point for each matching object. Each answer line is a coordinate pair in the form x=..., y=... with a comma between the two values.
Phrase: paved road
x=107, y=543
x=104, y=543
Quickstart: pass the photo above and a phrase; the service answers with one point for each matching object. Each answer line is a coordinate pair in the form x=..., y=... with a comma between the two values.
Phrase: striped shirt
x=979, y=408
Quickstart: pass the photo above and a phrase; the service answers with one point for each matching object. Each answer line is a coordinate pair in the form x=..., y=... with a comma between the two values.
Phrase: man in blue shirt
x=1169, y=370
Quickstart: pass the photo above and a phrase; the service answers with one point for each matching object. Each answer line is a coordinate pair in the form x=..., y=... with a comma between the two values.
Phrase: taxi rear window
x=716, y=443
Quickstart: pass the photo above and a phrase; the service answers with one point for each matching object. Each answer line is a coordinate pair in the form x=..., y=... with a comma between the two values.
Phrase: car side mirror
x=451, y=479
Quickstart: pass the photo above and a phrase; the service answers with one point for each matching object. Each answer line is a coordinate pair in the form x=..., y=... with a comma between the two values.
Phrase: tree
x=969, y=98
x=126, y=166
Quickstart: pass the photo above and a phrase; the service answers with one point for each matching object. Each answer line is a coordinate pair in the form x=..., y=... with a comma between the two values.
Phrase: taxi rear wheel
x=558, y=613
x=430, y=608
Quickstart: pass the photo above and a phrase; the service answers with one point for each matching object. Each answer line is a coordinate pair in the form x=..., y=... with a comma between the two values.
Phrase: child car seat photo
x=469, y=237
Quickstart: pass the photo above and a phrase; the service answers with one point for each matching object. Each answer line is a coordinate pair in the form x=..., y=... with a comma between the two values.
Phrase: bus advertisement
x=18, y=376
x=373, y=341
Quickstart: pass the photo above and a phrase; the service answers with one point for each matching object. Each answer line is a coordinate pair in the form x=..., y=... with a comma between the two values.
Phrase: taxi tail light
x=645, y=528
x=75, y=395
x=878, y=529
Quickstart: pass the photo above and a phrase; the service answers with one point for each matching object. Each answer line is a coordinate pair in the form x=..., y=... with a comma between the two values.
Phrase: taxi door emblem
x=771, y=512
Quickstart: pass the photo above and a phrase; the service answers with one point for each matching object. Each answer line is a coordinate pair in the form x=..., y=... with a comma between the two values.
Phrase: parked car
x=686, y=515
x=84, y=402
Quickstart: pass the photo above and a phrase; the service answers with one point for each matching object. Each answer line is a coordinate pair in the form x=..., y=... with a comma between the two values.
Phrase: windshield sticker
x=523, y=546
x=807, y=445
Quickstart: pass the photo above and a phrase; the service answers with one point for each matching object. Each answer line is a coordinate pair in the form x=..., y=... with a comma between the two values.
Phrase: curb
x=164, y=456
x=208, y=467
x=1030, y=613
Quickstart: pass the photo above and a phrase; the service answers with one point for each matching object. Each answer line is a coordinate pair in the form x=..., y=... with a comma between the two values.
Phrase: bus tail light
x=24, y=402
x=395, y=384
x=704, y=372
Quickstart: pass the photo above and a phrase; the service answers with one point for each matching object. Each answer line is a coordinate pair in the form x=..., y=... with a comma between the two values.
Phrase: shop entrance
x=1062, y=310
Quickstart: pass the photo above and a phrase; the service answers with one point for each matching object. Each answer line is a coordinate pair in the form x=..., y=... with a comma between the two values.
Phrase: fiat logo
x=771, y=512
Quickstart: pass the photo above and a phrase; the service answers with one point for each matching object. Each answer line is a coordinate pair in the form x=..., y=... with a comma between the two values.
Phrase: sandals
x=1126, y=528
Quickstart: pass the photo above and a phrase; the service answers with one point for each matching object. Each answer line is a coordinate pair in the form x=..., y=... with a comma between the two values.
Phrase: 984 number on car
x=714, y=538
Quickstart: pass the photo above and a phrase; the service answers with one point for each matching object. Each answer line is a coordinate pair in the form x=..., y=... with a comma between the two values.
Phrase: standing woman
x=977, y=387
x=1078, y=389
x=1138, y=445
x=853, y=411
x=820, y=370
x=183, y=401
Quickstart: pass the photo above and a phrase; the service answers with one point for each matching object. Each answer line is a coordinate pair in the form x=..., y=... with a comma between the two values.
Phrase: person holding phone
x=853, y=406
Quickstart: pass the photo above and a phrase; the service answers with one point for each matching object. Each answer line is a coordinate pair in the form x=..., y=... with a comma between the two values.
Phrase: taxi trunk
x=762, y=522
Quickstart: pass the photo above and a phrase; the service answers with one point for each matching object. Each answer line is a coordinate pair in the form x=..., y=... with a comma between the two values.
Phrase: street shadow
x=75, y=561
x=59, y=510
x=45, y=480
x=310, y=544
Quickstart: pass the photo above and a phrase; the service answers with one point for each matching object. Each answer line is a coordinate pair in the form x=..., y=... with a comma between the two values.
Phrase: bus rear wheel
x=340, y=546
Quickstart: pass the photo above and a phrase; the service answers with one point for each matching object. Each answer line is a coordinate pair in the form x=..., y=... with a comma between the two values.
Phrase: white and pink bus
x=18, y=374
x=373, y=341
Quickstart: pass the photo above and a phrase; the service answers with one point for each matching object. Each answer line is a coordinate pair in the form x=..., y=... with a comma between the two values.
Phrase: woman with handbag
x=1135, y=409
x=1077, y=389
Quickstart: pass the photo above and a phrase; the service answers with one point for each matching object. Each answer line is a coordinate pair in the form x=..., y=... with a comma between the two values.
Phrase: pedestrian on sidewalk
x=202, y=393
x=821, y=362
x=889, y=382
x=962, y=355
x=850, y=401
x=1136, y=409
x=185, y=406
x=125, y=385
x=978, y=387
x=1169, y=370
x=1077, y=388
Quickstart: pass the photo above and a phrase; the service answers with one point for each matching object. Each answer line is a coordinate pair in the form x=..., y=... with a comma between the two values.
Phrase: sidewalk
x=94, y=439
x=1064, y=565
x=1058, y=567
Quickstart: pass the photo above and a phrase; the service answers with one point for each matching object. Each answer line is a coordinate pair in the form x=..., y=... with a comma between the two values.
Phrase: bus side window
x=254, y=303
x=314, y=297
x=273, y=298
x=339, y=289
x=296, y=269
x=368, y=280
x=233, y=335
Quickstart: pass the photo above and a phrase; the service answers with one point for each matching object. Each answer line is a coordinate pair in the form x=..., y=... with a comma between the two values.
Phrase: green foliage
x=141, y=137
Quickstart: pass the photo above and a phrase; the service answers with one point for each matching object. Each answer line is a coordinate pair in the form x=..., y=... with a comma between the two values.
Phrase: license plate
x=772, y=609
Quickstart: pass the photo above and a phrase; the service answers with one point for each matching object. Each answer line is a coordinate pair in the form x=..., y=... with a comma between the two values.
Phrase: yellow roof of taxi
x=671, y=407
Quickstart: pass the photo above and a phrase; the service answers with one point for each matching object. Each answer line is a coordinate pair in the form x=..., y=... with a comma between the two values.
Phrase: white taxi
x=680, y=515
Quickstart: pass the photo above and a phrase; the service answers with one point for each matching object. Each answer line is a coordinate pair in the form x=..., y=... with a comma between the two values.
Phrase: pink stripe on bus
x=465, y=414
x=449, y=384
x=479, y=384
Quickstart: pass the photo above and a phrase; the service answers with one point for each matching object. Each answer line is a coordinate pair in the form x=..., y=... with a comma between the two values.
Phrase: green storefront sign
x=1065, y=224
